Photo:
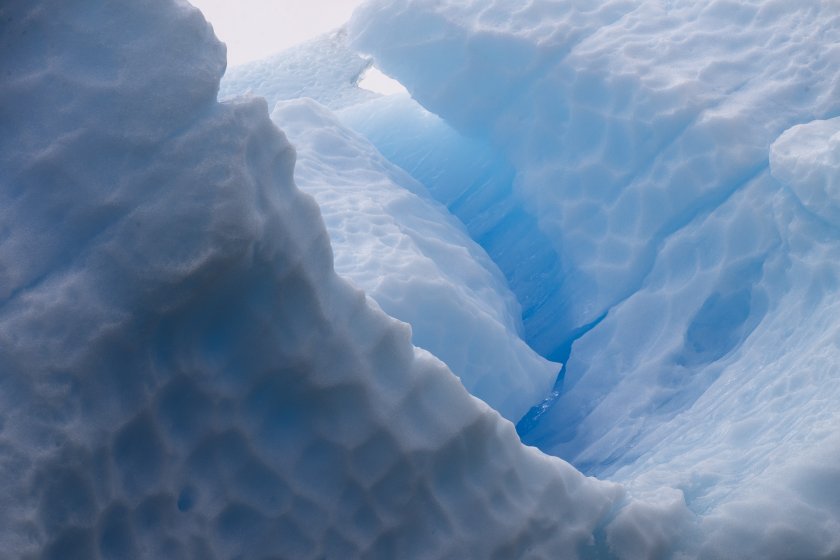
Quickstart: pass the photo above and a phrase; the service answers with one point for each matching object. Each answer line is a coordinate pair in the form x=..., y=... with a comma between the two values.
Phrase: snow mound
x=415, y=260
x=183, y=374
x=807, y=158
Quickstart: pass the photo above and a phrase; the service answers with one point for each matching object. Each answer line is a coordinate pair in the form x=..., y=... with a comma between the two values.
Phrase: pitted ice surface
x=182, y=373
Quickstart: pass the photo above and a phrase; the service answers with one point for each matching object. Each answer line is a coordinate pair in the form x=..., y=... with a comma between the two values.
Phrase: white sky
x=254, y=29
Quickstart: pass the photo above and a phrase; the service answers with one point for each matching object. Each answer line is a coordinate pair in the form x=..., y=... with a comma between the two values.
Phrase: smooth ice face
x=182, y=374
x=415, y=260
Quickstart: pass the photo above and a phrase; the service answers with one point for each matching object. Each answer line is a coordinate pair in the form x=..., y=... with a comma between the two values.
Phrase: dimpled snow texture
x=472, y=179
x=624, y=119
x=415, y=260
x=702, y=290
x=182, y=374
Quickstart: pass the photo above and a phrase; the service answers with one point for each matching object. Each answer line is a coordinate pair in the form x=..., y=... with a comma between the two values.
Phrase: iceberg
x=678, y=158
x=182, y=373
x=284, y=317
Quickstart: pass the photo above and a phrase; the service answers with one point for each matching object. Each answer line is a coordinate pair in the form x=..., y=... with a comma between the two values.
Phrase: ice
x=415, y=260
x=389, y=237
x=614, y=114
x=475, y=182
x=807, y=159
x=322, y=68
x=182, y=373
x=695, y=289
x=652, y=183
x=466, y=174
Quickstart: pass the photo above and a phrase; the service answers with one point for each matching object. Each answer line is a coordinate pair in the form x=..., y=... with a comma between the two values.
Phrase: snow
x=198, y=360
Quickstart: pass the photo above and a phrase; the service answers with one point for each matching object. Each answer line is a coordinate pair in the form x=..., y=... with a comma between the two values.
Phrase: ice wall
x=322, y=68
x=700, y=289
x=476, y=183
x=182, y=374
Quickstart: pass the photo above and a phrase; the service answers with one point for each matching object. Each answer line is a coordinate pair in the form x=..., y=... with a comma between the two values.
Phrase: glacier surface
x=195, y=356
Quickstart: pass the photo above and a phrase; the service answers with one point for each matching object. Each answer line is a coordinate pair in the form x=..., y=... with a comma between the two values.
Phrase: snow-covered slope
x=182, y=374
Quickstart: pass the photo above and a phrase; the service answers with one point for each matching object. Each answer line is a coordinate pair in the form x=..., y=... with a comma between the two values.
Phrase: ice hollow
x=390, y=235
